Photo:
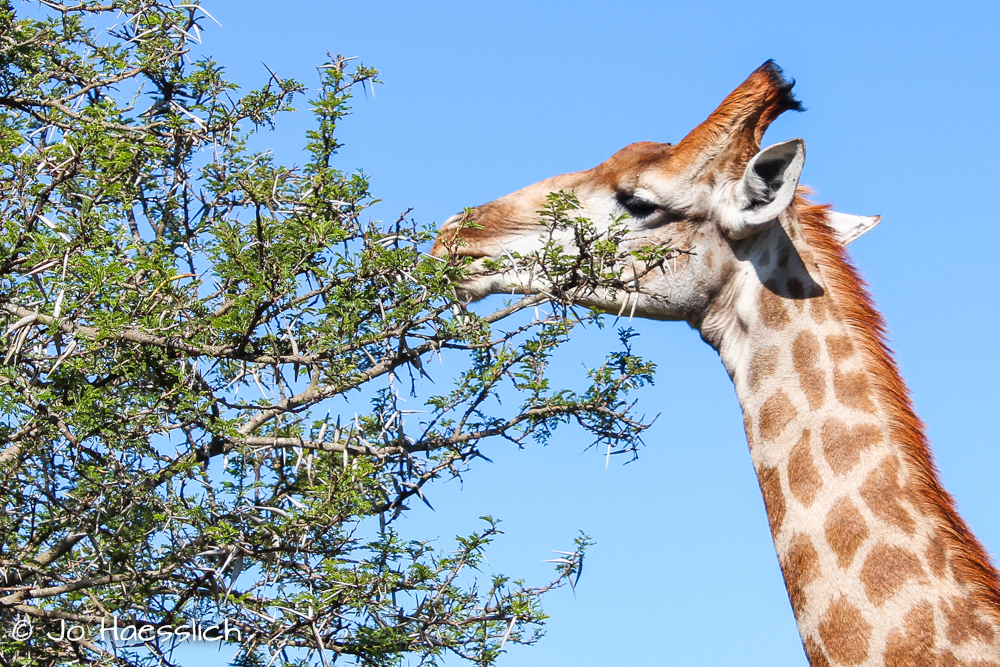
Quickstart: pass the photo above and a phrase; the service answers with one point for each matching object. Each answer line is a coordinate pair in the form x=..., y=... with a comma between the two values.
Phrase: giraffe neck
x=880, y=570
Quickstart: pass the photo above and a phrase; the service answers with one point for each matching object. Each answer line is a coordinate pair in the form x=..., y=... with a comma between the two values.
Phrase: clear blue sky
x=481, y=99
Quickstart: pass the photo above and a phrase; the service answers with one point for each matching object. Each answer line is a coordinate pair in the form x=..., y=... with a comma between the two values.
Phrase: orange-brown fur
x=732, y=134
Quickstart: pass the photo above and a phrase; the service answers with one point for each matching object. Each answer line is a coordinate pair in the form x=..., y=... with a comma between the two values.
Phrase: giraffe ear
x=847, y=227
x=767, y=187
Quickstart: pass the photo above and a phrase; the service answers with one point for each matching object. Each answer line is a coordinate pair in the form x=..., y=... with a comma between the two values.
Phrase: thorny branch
x=217, y=393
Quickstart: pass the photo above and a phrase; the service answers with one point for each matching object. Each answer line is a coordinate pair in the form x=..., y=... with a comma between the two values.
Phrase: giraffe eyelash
x=636, y=206
x=647, y=211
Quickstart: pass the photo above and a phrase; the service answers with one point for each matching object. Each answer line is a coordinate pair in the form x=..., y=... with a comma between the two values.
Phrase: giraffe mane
x=850, y=294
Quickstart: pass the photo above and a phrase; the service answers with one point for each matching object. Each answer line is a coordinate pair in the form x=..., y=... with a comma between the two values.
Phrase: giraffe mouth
x=456, y=238
x=482, y=281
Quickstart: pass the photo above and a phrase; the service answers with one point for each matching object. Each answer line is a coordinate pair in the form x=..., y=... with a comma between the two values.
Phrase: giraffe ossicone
x=880, y=569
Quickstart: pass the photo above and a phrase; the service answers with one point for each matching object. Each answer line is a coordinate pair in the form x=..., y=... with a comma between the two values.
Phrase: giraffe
x=879, y=567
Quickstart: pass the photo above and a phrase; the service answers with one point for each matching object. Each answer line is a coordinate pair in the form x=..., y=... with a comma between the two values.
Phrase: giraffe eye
x=636, y=206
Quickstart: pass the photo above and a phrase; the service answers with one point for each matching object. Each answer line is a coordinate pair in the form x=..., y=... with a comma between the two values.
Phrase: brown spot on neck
x=853, y=390
x=963, y=623
x=884, y=495
x=820, y=309
x=843, y=445
x=887, y=568
x=806, y=359
x=762, y=366
x=840, y=348
x=814, y=652
x=774, y=499
x=799, y=566
x=937, y=555
x=776, y=414
x=772, y=310
x=845, y=633
x=845, y=530
x=803, y=478
x=912, y=645
x=748, y=429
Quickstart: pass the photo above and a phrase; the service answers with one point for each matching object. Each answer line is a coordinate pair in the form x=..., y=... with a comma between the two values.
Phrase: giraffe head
x=709, y=199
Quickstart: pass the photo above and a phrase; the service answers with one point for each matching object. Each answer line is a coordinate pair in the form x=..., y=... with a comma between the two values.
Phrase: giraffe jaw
x=481, y=283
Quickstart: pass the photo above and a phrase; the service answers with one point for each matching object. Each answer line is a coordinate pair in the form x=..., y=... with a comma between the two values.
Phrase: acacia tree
x=180, y=314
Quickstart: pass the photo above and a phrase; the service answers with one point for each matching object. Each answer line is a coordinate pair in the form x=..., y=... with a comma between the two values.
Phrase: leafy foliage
x=206, y=357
